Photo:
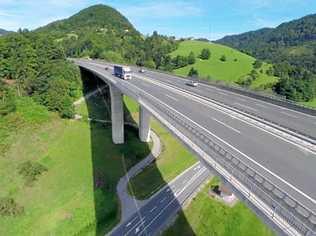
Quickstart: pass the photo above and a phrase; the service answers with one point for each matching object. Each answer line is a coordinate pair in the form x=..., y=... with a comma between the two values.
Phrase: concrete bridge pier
x=144, y=124
x=117, y=115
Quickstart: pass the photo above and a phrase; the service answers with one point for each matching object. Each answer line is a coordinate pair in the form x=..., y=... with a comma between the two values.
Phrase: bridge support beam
x=144, y=124
x=117, y=115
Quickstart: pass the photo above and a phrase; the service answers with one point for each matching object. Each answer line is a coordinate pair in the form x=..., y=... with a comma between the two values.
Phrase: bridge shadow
x=110, y=162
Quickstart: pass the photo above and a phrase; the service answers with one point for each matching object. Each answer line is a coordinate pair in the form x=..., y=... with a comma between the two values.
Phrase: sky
x=210, y=19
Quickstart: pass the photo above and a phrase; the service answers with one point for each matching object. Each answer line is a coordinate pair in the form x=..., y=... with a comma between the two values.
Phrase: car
x=192, y=83
x=141, y=70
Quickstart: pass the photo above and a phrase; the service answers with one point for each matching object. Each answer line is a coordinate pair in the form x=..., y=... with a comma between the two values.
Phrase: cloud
x=162, y=10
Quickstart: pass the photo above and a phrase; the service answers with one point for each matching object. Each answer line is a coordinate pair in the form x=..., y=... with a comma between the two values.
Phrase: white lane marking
x=222, y=93
x=228, y=112
x=129, y=223
x=194, y=177
x=242, y=105
x=196, y=168
x=222, y=123
x=250, y=98
x=174, y=99
x=189, y=183
x=177, y=193
x=154, y=208
x=245, y=191
x=242, y=99
x=162, y=200
x=235, y=149
x=260, y=105
x=212, y=87
x=173, y=183
x=290, y=115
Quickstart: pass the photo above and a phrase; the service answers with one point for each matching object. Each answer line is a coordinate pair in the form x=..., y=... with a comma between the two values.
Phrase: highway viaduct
x=269, y=163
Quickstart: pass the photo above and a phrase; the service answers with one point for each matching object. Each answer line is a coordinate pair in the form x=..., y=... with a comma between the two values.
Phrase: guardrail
x=291, y=210
x=272, y=98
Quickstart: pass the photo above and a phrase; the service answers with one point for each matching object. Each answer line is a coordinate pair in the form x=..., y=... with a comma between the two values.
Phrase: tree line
x=35, y=65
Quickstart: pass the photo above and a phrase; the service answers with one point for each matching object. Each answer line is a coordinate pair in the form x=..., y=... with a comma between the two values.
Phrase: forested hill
x=4, y=32
x=97, y=17
x=292, y=48
x=102, y=32
x=99, y=32
x=294, y=41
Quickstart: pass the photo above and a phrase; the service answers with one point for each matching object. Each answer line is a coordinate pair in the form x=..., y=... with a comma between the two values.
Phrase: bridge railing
x=258, y=94
x=291, y=210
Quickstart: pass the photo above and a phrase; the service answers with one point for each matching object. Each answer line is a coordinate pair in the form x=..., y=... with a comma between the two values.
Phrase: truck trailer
x=123, y=72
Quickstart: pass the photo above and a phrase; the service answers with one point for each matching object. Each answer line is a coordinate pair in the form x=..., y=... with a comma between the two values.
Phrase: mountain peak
x=94, y=17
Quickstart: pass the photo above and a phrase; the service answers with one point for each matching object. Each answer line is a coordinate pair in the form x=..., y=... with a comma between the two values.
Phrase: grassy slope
x=63, y=201
x=206, y=216
x=229, y=71
x=310, y=104
x=173, y=160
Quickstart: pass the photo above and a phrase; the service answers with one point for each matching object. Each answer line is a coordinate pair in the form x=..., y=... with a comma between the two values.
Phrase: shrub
x=205, y=54
x=193, y=72
x=30, y=171
x=223, y=58
x=8, y=207
x=191, y=58
x=257, y=64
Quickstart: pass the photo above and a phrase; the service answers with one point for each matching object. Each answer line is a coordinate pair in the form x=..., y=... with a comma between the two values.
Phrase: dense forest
x=292, y=48
x=102, y=32
x=4, y=32
x=34, y=63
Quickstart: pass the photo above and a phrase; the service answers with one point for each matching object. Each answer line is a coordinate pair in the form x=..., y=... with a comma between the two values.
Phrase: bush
x=205, y=54
x=8, y=207
x=30, y=171
x=257, y=64
x=191, y=58
x=223, y=58
x=193, y=72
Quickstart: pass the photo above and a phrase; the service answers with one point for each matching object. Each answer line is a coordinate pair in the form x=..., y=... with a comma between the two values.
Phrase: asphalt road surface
x=289, y=166
x=157, y=213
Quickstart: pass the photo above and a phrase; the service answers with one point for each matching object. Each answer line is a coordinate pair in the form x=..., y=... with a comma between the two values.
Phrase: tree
x=223, y=58
x=257, y=64
x=180, y=61
x=193, y=73
x=254, y=74
x=191, y=58
x=7, y=100
x=205, y=54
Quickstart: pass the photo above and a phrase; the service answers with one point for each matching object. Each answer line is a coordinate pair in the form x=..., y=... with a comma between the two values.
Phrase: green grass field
x=77, y=193
x=311, y=104
x=235, y=67
x=207, y=216
x=174, y=159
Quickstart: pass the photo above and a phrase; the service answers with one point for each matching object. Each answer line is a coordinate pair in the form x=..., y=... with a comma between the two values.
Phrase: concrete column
x=144, y=124
x=117, y=115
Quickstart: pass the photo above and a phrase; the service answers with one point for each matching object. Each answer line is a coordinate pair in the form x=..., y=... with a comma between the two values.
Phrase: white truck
x=123, y=72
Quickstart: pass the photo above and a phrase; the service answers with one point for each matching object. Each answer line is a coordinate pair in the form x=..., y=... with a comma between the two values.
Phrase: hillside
x=99, y=32
x=4, y=32
x=294, y=41
x=236, y=67
x=102, y=32
x=292, y=48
